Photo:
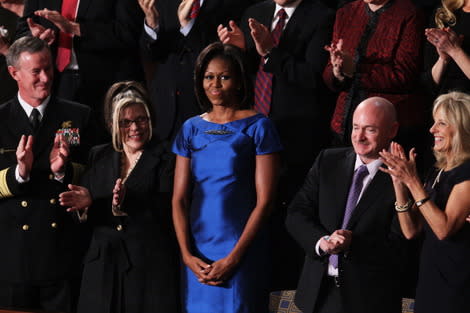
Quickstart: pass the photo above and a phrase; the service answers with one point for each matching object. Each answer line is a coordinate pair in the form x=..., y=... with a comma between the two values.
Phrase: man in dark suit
x=104, y=39
x=10, y=10
x=349, y=230
x=175, y=34
x=297, y=99
x=40, y=135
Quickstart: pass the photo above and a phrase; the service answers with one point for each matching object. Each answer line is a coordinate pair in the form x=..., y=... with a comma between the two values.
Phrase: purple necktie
x=264, y=81
x=353, y=195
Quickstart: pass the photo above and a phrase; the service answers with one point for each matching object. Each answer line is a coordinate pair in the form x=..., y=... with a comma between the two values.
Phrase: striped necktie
x=264, y=80
x=64, y=51
x=195, y=9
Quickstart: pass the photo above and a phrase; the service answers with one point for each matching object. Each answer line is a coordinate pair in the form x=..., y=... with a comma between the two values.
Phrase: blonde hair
x=445, y=14
x=455, y=107
x=118, y=107
x=127, y=88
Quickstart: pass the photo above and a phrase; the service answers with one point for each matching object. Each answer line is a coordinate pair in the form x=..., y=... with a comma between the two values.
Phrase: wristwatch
x=421, y=202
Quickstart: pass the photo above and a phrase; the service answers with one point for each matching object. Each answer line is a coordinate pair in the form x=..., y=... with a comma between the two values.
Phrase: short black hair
x=235, y=57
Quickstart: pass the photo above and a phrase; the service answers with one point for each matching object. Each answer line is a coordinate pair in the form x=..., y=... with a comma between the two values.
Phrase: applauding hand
x=24, y=156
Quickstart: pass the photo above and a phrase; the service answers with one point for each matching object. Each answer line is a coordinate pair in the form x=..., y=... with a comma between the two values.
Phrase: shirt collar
x=28, y=108
x=290, y=8
x=372, y=167
x=379, y=11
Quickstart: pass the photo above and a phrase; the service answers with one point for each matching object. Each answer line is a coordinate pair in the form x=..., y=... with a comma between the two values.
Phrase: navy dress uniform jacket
x=38, y=238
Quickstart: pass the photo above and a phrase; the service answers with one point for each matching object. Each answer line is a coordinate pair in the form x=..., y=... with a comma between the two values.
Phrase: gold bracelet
x=403, y=208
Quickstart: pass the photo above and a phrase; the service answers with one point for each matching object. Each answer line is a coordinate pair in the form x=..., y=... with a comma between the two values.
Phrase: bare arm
x=451, y=44
x=444, y=223
x=448, y=46
x=180, y=203
x=266, y=177
x=411, y=220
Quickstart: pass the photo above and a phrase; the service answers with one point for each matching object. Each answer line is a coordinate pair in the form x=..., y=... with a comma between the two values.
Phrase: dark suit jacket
x=107, y=51
x=37, y=236
x=369, y=270
x=136, y=252
x=298, y=93
x=172, y=91
x=8, y=87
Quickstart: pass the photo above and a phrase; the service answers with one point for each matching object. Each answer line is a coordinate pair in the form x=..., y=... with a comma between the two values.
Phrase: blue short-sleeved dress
x=223, y=160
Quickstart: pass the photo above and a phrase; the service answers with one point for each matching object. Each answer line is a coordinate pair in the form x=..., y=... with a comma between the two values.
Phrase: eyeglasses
x=140, y=121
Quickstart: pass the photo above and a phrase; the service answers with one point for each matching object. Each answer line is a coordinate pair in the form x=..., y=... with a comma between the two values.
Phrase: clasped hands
x=337, y=242
x=213, y=274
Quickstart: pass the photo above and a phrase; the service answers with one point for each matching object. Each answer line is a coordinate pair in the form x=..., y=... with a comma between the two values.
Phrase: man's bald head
x=374, y=126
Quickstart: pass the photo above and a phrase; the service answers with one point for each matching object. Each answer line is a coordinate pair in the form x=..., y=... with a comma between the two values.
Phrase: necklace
x=116, y=209
x=129, y=171
x=436, y=180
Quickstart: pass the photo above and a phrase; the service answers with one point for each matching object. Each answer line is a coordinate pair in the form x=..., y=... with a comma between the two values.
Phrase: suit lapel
x=267, y=15
x=343, y=172
x=19, y=122
x=373, y=193
x=299, y=17
x=83, y=8
x=115, y=165
x=50, y=123
x=149, y=160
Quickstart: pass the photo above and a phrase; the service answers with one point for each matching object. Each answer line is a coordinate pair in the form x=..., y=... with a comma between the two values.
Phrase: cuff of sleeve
x=20, y=179
x=151, y=32
x=82, y=217
x=9, y=186
x=318, y=250
x=185, y=30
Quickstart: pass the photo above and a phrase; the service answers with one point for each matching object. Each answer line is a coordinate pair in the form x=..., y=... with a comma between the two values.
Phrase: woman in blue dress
x=225, y=177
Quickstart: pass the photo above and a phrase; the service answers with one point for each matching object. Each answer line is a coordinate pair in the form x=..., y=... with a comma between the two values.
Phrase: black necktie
x=34, y=119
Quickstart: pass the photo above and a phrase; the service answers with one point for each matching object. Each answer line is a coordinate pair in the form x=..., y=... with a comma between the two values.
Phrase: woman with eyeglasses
x=131, y=264
x=439, y=208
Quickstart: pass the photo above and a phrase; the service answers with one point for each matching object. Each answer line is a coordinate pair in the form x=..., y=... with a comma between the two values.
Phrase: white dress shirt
x=28, y=109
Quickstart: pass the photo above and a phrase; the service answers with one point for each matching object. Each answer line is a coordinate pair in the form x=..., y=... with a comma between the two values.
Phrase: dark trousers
x=51, y=296
x=329, y=299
